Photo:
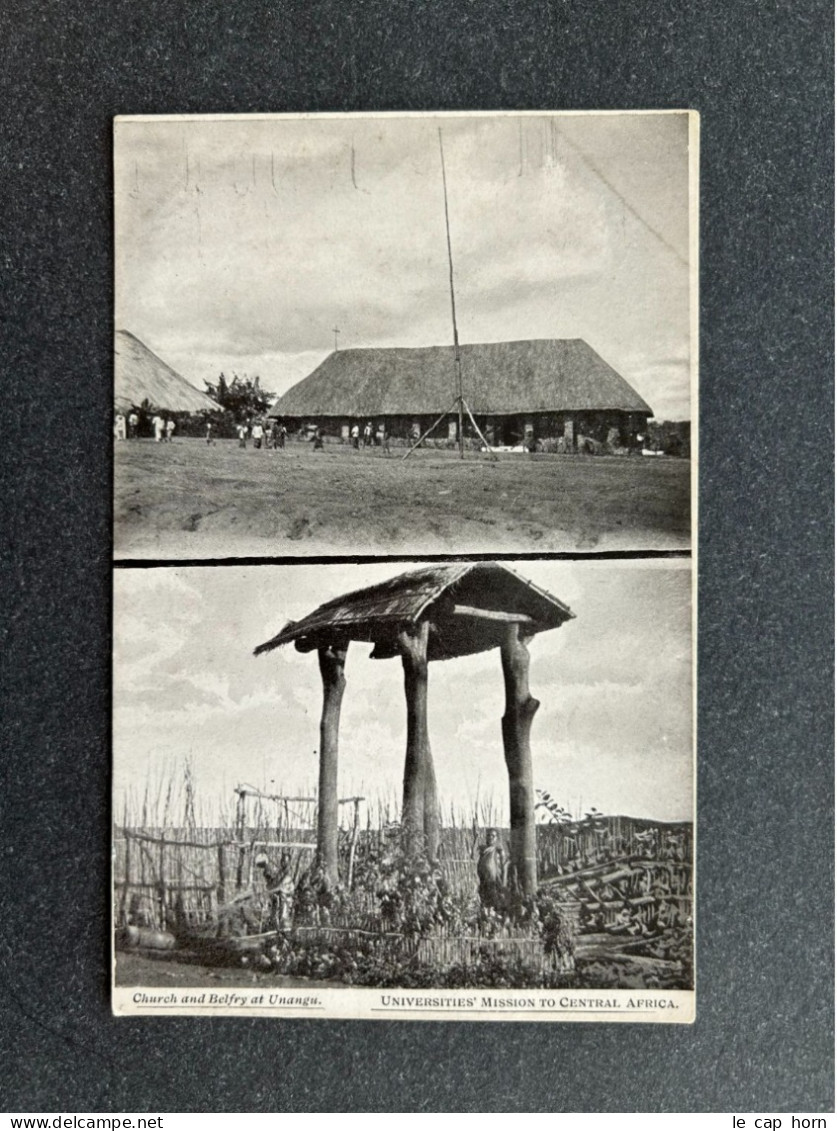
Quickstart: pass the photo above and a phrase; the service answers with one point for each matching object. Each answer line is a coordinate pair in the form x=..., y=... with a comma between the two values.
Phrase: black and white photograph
x=404, y=334
x=419, y=426
x=449, y=789
x=362, y=337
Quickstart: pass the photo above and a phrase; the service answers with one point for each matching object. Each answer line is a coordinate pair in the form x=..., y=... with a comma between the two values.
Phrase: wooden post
x=517, y=723
x=420, y=807
x=332, y=663
x=350, y=871
x=161, y=885
x=124, y=905
x=240, y=818
x=143, y=852
x=222, y=875
x=123, y=902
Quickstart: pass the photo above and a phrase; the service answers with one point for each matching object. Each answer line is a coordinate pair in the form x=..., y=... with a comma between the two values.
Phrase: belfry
x=435, y=613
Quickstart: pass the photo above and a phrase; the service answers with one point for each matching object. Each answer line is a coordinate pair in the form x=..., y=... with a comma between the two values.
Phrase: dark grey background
x=760, y=74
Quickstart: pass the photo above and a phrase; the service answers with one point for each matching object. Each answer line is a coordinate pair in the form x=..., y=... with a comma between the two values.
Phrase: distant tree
x=670, y=436
x=242, y=396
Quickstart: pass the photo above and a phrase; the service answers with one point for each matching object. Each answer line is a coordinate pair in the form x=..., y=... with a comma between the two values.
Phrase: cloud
x=614, y=724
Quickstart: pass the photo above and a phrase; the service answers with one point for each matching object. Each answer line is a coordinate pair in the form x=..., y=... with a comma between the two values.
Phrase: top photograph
x=404, y=334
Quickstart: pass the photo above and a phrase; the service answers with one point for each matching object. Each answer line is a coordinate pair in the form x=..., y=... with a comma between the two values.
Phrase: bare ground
x=169, y=970
x=191, y=500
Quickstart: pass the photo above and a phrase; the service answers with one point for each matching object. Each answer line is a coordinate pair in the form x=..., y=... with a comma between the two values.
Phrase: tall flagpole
x=457, y=361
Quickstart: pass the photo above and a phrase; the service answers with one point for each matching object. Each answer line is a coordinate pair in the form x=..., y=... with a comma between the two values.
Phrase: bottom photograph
x=495, y=823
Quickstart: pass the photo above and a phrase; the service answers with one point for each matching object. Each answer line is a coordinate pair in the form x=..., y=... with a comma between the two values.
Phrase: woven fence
x=441, y=949
x=172, y=878
x=188, y=878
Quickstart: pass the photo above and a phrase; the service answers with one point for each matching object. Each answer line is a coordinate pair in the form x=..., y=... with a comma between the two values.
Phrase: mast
x=457, y=362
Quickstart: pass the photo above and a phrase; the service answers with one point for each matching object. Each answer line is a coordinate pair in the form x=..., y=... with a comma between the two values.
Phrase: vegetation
x=242, y=397
x=365, y=965
x=241, y=886
x=417, y=932
x=673, y=437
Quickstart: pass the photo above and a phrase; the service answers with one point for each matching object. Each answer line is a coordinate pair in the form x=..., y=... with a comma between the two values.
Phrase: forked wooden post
x=332, y=663
x=517, y=724
x=420, y=808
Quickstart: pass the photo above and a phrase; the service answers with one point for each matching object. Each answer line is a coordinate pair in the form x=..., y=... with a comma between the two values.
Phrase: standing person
x=367, y=435
x=355, y=436
x=120, y=426
x=280, y=888
x=209, y=439
x=283, y=432
x=492, y=873
x=258, y=434
x=133, y=422
x=242, y=435
x=157, y=425
x=169, y=429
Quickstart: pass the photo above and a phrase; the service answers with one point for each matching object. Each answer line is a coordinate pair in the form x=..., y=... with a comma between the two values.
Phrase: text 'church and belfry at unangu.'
x=555, y=392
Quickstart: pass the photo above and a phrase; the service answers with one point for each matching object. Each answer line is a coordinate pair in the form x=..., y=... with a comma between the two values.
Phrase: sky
x=613, y=730
x=242, y=243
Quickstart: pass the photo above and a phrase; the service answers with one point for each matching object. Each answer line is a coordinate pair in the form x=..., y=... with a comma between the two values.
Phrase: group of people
x=163, y=428
x=369, y=437
x=127, y=428
x=264, y=434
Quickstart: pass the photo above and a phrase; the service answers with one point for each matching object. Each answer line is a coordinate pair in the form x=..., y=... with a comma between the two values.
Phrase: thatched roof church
x=516, y=390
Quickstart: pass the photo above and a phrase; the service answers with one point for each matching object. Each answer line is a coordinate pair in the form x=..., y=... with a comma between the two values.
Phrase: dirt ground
x=187, y=499
x=134, y=969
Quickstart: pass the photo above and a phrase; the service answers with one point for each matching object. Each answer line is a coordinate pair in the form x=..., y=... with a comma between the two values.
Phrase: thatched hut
x=518, y=392
x=435, y=613
x=140, y=375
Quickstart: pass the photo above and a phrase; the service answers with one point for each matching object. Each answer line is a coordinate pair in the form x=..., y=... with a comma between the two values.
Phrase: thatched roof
x=140, y=375
x=439, y=593
x=499, y=378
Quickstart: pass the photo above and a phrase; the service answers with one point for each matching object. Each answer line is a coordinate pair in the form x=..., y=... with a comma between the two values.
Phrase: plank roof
x=376, y=613
x=498, y=378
